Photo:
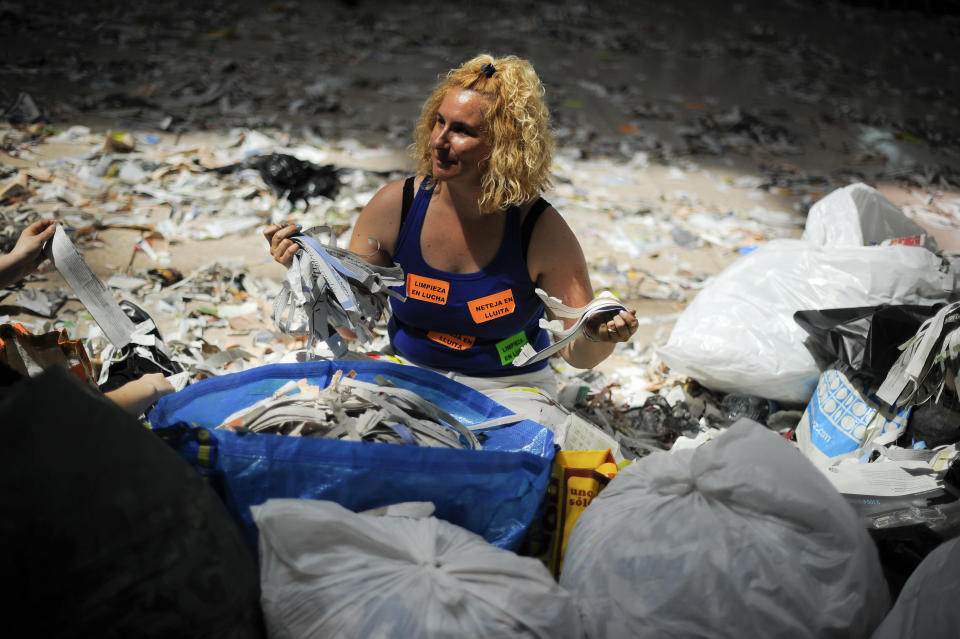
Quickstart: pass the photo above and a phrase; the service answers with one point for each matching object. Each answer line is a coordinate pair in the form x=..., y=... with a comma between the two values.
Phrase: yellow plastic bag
x=578, y=477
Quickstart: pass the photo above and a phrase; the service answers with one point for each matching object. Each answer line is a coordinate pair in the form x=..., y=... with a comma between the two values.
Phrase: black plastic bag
x=106, y=531
x=129, y=364
x=907, y=528
x=300, y=180
x=935, y=424
x=866, y=338
x=291, y=177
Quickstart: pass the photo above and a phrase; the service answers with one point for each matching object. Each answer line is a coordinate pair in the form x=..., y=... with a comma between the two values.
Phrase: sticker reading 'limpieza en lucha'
x=492, y=306
x=509, y=348
x=456, y=342
x=427, y=289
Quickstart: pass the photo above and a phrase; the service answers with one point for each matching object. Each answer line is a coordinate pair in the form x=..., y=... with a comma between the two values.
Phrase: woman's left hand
x=618, y=328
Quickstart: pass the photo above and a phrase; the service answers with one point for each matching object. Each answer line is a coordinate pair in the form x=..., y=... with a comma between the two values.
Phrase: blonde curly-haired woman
x=474, y=237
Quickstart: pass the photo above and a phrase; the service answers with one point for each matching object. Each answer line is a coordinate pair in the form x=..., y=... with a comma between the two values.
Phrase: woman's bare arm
x=557, y=265
x=374, y=235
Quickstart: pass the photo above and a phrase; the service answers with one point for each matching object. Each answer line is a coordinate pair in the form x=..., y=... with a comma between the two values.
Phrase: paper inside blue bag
x=493, y=492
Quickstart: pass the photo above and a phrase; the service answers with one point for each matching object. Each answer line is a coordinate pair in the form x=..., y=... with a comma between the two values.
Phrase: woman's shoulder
x=532, y=210
x=386, y=201
x=393, y=192
x=547, y=236
x=381, y=217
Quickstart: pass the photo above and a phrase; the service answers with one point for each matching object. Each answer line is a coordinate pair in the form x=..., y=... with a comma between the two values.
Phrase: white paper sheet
x=881, y=479
x=94, y=295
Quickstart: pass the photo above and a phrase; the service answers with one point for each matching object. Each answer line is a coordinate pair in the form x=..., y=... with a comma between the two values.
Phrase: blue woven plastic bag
x=493, y=492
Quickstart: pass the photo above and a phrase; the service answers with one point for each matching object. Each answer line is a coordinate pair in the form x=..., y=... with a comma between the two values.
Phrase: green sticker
x=509, y=348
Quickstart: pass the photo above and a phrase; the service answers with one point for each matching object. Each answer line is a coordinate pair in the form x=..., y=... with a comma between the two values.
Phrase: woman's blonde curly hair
x=518, y=125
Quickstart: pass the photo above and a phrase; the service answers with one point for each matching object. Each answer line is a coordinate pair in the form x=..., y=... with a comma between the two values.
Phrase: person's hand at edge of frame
x=27, y=254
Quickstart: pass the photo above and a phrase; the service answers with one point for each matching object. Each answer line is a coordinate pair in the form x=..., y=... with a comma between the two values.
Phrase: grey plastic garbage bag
x=742, y=537
x=328, y=572
x=927, y=605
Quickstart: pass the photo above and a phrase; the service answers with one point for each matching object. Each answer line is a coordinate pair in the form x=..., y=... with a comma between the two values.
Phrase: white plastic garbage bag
x=329, y=572
x=741, y=537
x=927, y=605
x=859, y=215
x=738, y=333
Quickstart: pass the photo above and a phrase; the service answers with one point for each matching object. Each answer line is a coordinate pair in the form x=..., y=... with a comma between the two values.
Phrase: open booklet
x=605, y=304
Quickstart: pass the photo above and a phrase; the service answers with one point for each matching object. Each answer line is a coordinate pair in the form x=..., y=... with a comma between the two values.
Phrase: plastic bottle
x=737, y=405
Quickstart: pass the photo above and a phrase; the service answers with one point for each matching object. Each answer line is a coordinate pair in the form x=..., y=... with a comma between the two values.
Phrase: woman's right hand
x=281, y=248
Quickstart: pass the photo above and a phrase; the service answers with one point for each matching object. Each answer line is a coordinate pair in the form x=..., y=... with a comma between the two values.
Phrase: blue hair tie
x=488, y=70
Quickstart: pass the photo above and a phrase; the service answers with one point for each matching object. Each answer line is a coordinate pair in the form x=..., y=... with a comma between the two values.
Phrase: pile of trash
x=797, y=334
x=845, y=342
x=872, y=409
x=155, y=197
x=780, y=457
x=876, y=485
x=151, y=195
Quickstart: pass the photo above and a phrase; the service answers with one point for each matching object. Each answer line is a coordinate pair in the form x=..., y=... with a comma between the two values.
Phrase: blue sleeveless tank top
x=470, y=323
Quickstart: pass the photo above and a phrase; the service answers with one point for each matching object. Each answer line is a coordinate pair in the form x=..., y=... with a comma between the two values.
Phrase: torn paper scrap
x=88, y=288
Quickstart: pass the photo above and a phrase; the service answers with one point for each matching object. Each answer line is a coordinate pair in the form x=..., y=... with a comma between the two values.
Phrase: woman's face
x=459, y=140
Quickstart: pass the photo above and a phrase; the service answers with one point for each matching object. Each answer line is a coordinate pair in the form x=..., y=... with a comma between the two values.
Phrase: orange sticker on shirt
x=492, y=306
x=427, y=289
x=457, y=342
